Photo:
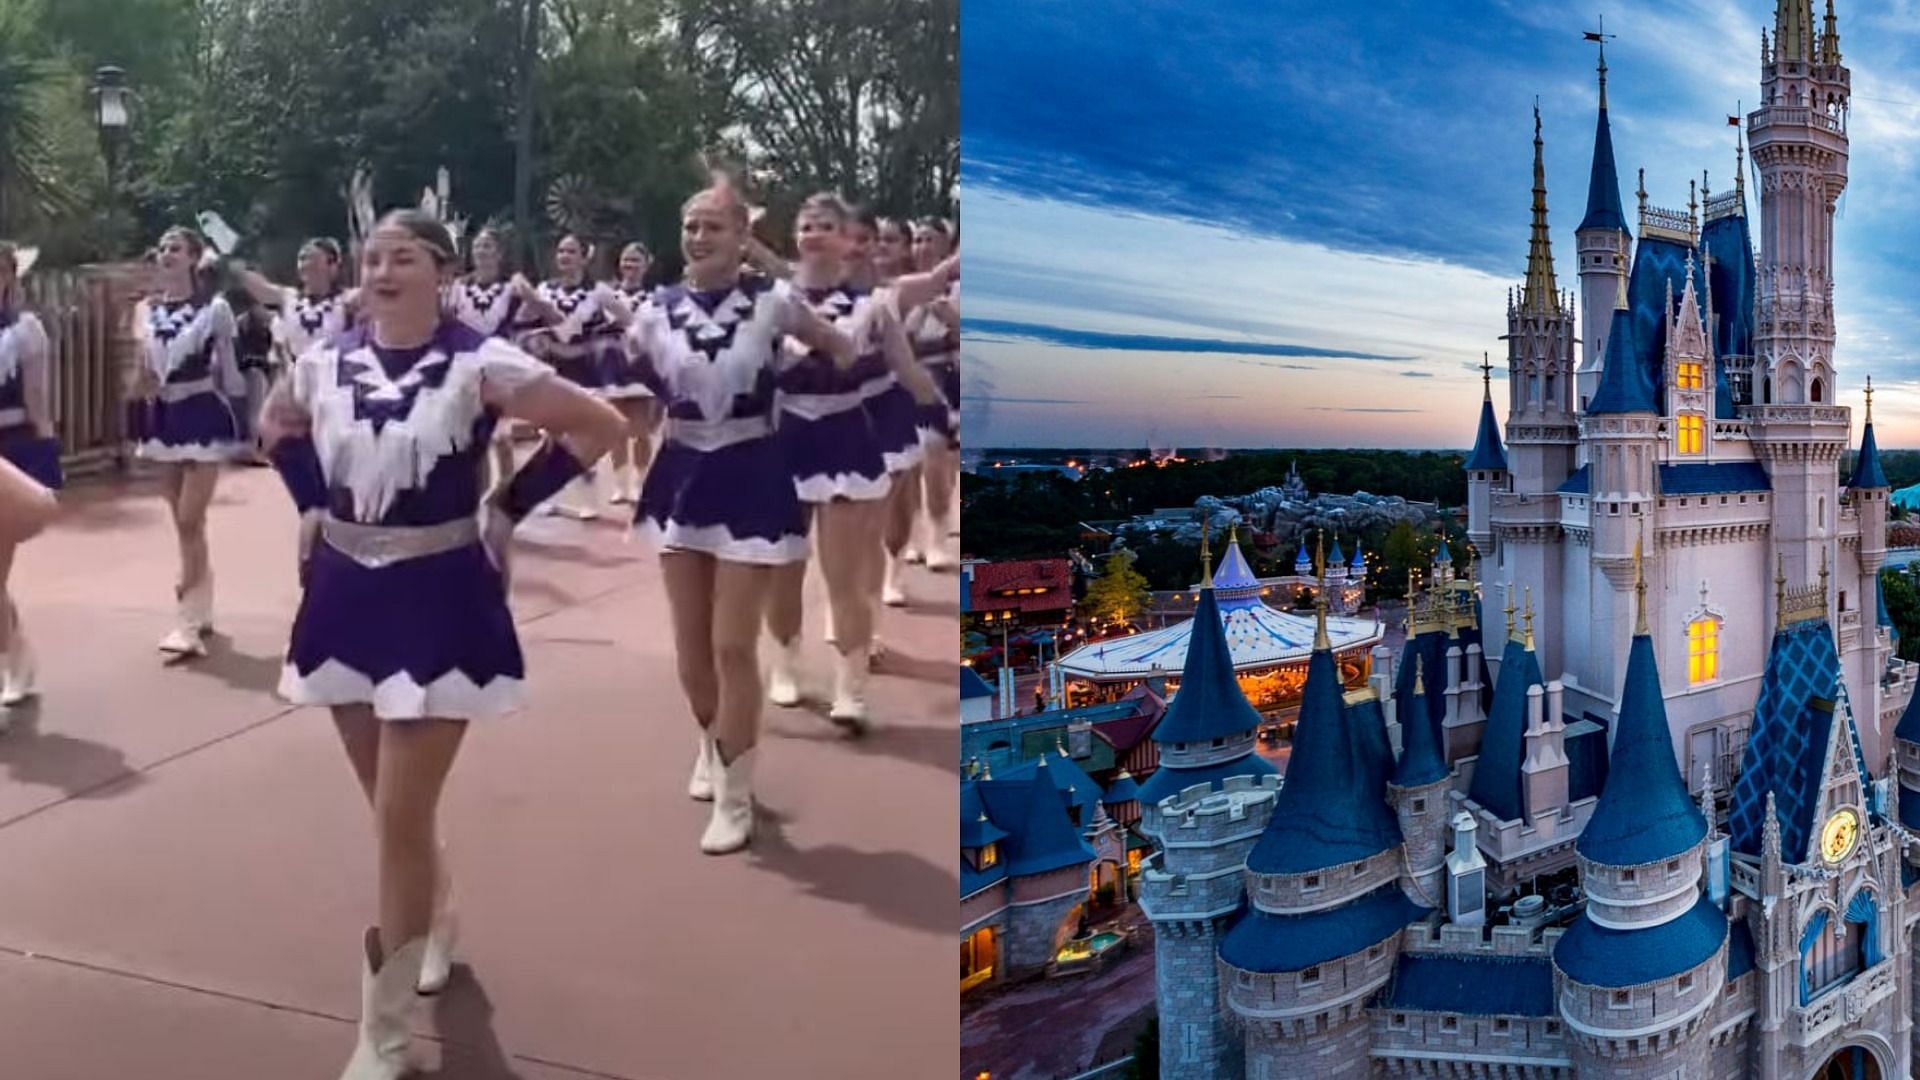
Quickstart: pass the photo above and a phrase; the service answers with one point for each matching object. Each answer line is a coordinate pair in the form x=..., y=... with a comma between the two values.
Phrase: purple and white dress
x=937, y=346
x=490, y=309
x=25, y=356
x=577, y=345
x=188, y=346
x=832, y=448
x=720, y=484
x=404, y=608
x=619, y=377
x=895, y=417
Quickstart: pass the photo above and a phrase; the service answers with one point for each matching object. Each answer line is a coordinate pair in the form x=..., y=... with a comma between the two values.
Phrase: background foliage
x=261, y=110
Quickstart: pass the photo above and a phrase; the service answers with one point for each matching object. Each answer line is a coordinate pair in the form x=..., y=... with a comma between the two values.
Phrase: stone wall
x=1197, y=1039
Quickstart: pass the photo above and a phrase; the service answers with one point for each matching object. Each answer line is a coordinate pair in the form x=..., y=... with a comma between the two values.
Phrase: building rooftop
x=1262, y=942
x=1597, y=956
x=1645, y=814
x=1473, y=985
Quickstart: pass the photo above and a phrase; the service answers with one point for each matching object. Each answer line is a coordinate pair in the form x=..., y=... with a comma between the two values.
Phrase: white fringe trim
x=899, y=461
x=719, y=542
x=826, y=487
x=624, y=392
x=452, y=696
x=154, y=450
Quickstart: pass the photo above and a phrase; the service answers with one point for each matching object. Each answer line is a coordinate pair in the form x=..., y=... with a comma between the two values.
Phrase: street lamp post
x=110, y=98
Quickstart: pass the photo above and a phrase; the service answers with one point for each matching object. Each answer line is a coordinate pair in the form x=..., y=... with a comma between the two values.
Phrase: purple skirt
x=204, y=427
x=942, y=421
x=837, y=457
x=894, y=427
x=36, y=456
x=736, y=503
x=619, y=374
x=423, y=637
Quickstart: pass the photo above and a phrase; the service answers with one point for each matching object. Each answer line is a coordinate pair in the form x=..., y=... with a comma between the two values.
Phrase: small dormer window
x=1686, y=983
x=1449, y=1023
x=1500, y=1025
x=1310, y=976
x=1622, y=999
x=1673, y=867
x=1419, y=806
x=1628, y=876
x=1312, y=882
x=989, y=856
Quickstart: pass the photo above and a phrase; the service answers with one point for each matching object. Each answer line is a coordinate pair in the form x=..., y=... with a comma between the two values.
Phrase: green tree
x=1902, y=591
x=1146, y=1053
x=30, y=191
x=1400, y=553
x=1120, y=593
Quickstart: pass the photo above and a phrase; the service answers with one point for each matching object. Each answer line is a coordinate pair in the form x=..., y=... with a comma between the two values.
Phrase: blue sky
x=1248, y=223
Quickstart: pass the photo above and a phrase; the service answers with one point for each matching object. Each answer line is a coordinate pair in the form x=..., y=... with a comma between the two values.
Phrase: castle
x=1660, y=827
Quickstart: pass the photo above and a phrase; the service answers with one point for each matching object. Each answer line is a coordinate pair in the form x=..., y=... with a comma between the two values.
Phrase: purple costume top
x=304, y=321
x=575, y=344
x=491, y=309
x=833, y=448
x=25, y=355
x=404, y=609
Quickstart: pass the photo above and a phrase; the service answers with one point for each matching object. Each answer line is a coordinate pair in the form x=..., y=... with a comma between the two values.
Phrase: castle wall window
x=1449, y=1023
x=989, y=855
x=1703, y=650
x=976, y=957
x=1311, y=976
x=1688, y=375
x=1692, y=434
x=1312, y=882
x=1621, y=999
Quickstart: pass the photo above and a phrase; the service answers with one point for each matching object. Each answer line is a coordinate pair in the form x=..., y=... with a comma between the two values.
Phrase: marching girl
x=835, y=458
x=934, y=328
x=181, y=415
x=895, y=418
x=27, y=443
x=720, y=500
x=623, y=385
x=574, y=330
x=403, y=629
x=489, y=302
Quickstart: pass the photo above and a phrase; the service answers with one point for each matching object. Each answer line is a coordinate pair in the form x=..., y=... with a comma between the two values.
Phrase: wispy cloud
x=992, y=329
x=1356, y=409
x=1418, y=374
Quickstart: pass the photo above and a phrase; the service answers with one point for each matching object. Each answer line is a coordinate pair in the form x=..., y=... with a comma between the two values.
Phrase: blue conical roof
x=1338, y=556
x=1359, y=562
x=1487, y=451
x=1908, y=729
x=1603, y=184
x=1421, y=759
x=1209, y=704
x=1303, y=562
x=1623, y=386
x=1503, y=748
x=1332, y=808
x=1234, y=573
x=1644, y=814
x=1866, y=468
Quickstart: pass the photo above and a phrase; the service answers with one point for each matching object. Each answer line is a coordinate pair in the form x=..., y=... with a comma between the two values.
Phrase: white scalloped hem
x=155, y=450
x=899, y=461
x=826, y=487
x=719, y=542
x=452, y=696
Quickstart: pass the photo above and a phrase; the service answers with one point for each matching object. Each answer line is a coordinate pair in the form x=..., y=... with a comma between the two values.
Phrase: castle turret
x=1641, y=969
x=1622, y=430
x=1486, y=467
x=1869, y=489
x=1498, y=781
x=1418, y=786
x=1321, y=933
x=1604, y=246
x=1541, y=434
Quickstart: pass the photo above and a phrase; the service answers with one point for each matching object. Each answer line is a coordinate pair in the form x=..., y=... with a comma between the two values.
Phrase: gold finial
x=1642, y=192
x=1600, y=37
x=1206, y=554
x=1529, y=618
x=1419, y=685
x=1823, y=573
x=1510, y=610
x=1320, y=640
x=1639, y=586
x=1486, y=376
x=1869, y=399
x=1233, y=533
x=1780, y=591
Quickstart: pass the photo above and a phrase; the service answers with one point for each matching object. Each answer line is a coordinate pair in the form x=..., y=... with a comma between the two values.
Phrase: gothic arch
x=1791, y=387
x=1817, y=390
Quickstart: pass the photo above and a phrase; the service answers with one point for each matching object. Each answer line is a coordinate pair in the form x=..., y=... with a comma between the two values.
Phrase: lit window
x=976, y=957
x=1689, y=376
x=1703, y=650
x=989, y=856
x=1692, y=434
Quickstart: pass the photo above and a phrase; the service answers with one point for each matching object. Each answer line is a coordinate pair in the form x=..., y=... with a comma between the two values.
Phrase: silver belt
x=185, y=390
x=717, y=434
x=821, y=406
x=12, y=417
x=376, y=546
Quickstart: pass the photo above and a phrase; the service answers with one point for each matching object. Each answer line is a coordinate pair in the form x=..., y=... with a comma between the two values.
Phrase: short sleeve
x=505, y=368
x=34, y=332
x=790, y=310
x=303, y=379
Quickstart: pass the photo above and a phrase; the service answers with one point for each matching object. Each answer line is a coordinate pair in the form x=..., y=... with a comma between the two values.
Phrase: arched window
x=1766, y=390
x=1821, y=518
x=1815, y=392
x=1703, y=650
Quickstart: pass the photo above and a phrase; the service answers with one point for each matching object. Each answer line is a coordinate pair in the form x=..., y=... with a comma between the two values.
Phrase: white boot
x=850, y=690
x=436, y=965
x=705, y=761
x=826, y=625
x=386, y=1007
x=732, y=822
x=783, y=689
x=193, y=620
x=16, y=679
x=891, y=594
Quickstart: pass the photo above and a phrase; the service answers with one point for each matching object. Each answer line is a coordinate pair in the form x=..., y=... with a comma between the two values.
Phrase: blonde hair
x=721, y=196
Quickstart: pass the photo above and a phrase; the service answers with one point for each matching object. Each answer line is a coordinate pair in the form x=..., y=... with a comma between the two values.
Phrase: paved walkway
x=1053, y=1028
x=186, y=864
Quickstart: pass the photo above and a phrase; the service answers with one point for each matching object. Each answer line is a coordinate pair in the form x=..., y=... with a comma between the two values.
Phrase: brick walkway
x=186, y=864
x=1056, y=1028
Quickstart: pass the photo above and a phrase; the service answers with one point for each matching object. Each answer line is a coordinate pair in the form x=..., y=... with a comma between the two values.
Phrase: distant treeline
x=1037, y=514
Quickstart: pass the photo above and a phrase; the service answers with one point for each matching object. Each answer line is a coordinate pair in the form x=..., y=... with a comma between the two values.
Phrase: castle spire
x=1639, y=587
x=1487, y=453
x=1867, y=472
x=1320, y=641
x=1541, y=294
x=1603, y=183
x=1830, y=38
x=1528, y=618
x=1206, y=555
x=1792, y=29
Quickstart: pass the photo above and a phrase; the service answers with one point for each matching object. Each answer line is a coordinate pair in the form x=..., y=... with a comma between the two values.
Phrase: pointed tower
x=1418, y=787
x=1689, y=376
x=1541, y=435
x=1321, y=933
x=1732, y=283
x=1641, y=968
x=1486, y=467
x=1604, y=246
x=1800, y=146
x=1498, y=783
x=1622, y=432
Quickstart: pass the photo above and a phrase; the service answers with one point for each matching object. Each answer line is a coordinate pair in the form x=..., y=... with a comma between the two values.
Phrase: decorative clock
x=1839, y=834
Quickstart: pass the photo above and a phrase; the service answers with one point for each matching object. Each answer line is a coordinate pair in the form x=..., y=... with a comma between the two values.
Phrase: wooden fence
x=88, y=316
